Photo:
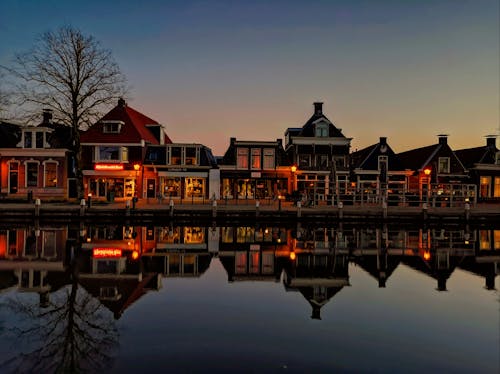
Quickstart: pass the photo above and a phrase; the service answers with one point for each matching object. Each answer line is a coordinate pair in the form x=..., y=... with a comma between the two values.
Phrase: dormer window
x=321, y=130
x=33, y=139
x=112, y=127
x=28, y=139
x=444, y=165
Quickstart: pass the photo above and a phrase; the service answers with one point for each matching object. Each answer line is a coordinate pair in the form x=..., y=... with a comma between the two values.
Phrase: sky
x=210, y=70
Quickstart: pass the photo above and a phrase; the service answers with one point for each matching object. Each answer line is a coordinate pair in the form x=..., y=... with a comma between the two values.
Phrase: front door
x=151, y=183
x=13, y=177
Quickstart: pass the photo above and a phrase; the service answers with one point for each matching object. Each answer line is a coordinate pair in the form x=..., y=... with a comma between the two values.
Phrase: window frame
x=56, y=164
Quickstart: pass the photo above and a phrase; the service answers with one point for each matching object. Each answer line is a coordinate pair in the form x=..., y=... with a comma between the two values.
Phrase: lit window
x=256, y=158
x=50, y=177
x=444, y=165
x=496, y=192
x=242, y=158
x=485, y=187
x=31, y=174
x=268, y=158
x=124, y=154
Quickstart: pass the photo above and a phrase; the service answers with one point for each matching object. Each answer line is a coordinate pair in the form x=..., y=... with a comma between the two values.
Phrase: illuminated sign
x=108, y=167
x=106, y=252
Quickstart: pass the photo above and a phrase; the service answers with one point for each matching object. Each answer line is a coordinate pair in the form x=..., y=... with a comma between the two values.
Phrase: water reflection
x=64, y=287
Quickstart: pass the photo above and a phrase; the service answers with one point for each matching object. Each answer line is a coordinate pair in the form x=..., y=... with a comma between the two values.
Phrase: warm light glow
x=137, y=167
x=293, y=168
x=110, y=167
x=293, y=256
x=427, y=171
x=135, y=255
x=427, y=255
x=106, y=252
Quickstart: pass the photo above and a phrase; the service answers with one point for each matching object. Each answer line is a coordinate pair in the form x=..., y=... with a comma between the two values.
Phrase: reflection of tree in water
x=73, y=333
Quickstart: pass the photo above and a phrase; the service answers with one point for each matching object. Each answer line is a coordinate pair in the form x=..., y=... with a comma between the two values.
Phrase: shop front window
x=263, y=188
x=245, y=189
x=194, y=235
x=195, y=187
x=496, y=192
x=227, y=188
x=172, y=187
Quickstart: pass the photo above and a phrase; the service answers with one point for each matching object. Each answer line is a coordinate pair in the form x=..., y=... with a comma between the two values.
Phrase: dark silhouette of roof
x=367, y=158
x=10, y=135
x=308, y=129
x=478, y=155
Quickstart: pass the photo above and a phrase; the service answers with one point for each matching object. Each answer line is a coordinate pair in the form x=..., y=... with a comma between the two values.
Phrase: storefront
x=111, y=182
x=253, y=186
x=184, y=185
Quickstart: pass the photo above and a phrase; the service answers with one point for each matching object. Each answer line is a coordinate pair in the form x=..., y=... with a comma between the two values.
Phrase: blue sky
x=408, y=70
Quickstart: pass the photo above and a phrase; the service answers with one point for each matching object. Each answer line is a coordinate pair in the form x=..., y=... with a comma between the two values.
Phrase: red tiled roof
x=133, y=131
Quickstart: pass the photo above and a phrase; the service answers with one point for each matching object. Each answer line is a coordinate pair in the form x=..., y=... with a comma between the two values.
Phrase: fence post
x=171, y=208
x=341, y=210
x=37, y=207
x=214, y=209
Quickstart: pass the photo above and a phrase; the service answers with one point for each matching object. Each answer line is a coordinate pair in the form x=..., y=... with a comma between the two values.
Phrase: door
x=151, y=183
x=13, y=177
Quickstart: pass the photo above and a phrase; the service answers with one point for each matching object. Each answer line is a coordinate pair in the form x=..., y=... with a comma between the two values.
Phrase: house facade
x=483, y=164
x=35, y=161
x=113, y=151
x=254, y=170
x=181, y=171
x=320, y=153
x=377, y=173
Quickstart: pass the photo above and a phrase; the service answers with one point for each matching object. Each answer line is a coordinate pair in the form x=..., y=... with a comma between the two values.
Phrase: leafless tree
x=70, y=73
x=75, y=333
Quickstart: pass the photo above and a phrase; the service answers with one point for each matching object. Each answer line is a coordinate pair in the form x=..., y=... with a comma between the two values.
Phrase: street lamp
x=293, y=169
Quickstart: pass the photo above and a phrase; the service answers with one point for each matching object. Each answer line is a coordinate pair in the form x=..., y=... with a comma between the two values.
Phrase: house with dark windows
x=254, y=170
x=181, y=171
x=377, y=173
x=483, y=165
x=113, y=151
x=35, y=160
x=437, y=174
x=320, y=153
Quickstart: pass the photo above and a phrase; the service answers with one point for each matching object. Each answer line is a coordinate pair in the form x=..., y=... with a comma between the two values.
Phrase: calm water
x=121, y=298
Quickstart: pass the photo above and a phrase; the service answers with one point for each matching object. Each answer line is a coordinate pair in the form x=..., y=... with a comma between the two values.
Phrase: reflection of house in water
x=486, y=262
x=110, y=268
x=253, y=253
x=438, y=252
x=317, y=266
x=33, y=260
x=180, y=251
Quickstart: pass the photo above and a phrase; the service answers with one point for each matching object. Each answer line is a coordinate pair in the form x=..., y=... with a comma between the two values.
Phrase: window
x=124, y=154
x=28, y=137
x=304, y=161
x=256, y=160
x=50, y=177
x=383, y=162
x=39, y=139
x=175, y=155
x=31, y=174
x=109, y=153
x=191, y=158
x=109, y=293
x=195, y=187
x=444, y=165
x=49, y=244
x=496, y=191
x=111, y=127
x=322, y=161
x=268, y=158
x=339, y=162
x=321, y=130
x=242, y=158
x=484, y=187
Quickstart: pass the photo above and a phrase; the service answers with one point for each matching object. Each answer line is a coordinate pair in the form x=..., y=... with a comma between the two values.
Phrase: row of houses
x=127, y=154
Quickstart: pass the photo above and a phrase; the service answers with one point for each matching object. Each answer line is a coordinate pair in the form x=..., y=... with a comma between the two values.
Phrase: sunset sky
x=209, y=70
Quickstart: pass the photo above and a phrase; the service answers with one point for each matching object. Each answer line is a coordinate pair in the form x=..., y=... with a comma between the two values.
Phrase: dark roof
x=229, y=157
x=416, y=159
x=477, y=155
x=10, y=135
x=60, y=137
x=134, y=129
x=367, y=158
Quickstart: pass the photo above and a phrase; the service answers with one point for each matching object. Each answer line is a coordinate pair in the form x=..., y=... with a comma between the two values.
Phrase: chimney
x=443, y=139
x=318, y=108
x=47, y=116
x=232, y=140
x=491, y=141
x=280, y=142
x=383, y=140
x=121, y=102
